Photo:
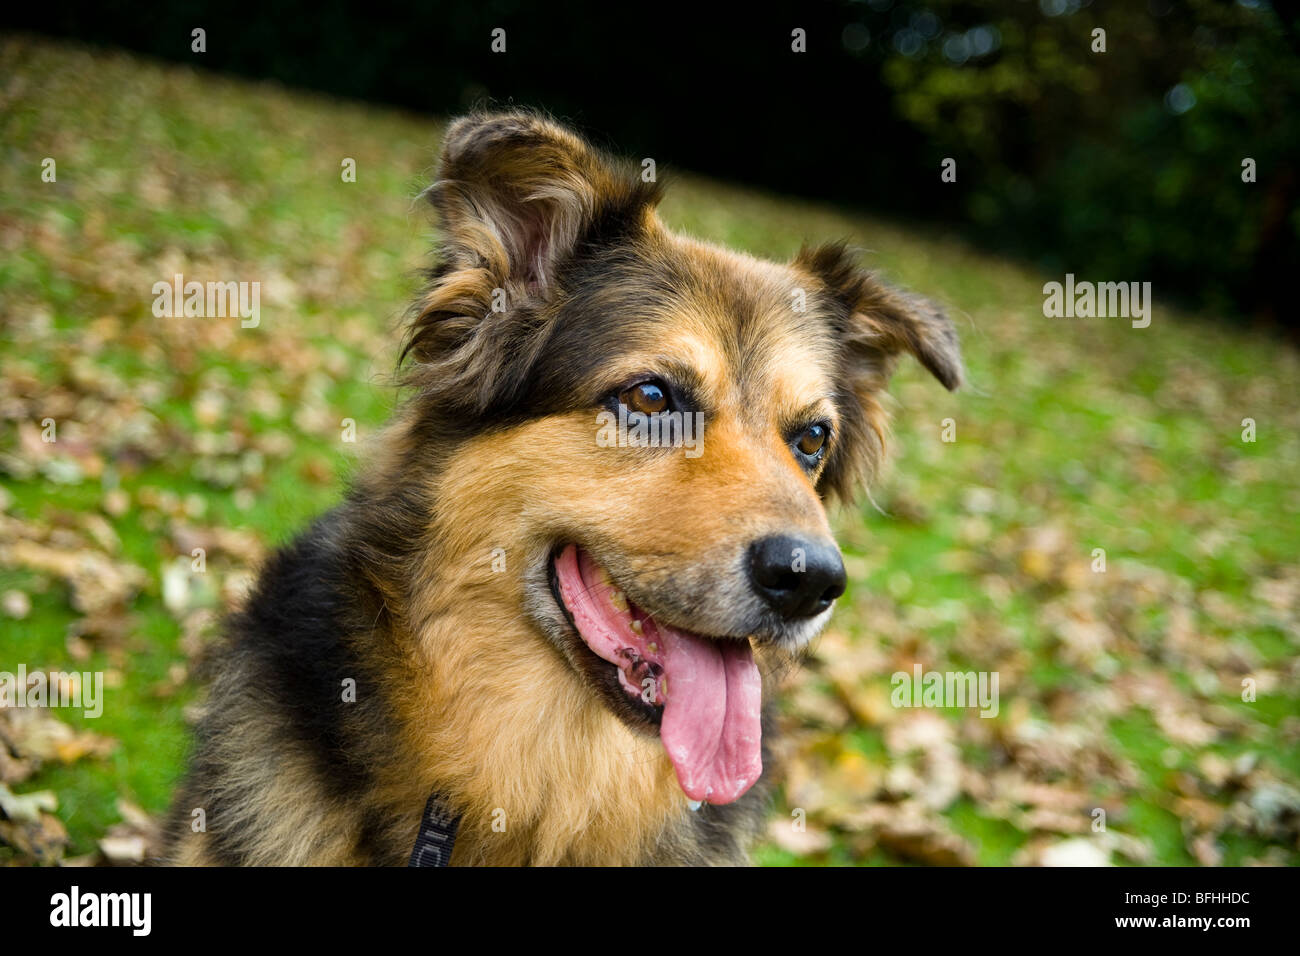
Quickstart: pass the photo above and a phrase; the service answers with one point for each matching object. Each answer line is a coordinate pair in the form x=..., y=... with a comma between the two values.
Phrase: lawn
x=1098, y=531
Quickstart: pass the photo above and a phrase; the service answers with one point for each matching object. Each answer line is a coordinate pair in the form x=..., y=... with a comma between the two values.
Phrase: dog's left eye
x=812, y=442
x=649, y=398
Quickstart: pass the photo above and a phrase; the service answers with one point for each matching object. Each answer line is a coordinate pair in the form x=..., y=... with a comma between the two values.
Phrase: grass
x=1074, y=435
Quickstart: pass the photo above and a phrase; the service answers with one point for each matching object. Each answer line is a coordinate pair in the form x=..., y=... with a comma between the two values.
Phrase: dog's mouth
x=706, y=693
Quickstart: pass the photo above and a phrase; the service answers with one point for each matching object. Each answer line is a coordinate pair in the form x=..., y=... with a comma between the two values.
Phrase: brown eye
x=812, y=441
x=649, y=398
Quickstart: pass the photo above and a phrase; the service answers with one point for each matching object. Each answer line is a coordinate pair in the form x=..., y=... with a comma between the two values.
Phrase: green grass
x=1127, y=440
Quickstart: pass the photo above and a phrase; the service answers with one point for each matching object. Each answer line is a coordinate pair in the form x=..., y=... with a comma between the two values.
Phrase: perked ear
x=516, y=195
x=884, y=322
x=877, y=324
x=520, y=186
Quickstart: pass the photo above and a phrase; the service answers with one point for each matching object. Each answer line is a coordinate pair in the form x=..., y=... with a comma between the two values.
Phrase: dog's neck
x=540, y=770
x=498, y=723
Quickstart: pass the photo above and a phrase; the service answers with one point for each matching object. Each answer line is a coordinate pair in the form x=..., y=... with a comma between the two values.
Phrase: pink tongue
x=711, y=726
x=711, y=691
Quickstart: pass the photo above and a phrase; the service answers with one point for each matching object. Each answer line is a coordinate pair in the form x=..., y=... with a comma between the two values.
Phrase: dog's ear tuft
x=885, y=322
x=877, y=324
x=517, y=194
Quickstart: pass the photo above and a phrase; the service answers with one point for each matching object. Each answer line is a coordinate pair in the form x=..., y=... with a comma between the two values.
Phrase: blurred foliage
x=1124, y=164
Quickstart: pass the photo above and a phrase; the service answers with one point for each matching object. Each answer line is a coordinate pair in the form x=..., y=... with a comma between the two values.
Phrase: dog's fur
x=468, y=680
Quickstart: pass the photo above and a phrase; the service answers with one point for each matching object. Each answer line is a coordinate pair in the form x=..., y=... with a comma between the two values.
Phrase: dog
x=569, y=643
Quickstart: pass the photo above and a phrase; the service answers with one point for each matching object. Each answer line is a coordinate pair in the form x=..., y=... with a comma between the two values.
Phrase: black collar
x=437, y=835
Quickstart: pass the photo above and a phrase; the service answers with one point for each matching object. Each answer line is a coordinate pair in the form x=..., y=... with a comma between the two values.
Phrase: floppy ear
x=516, y=195
x=884, y=322
x=877, y=324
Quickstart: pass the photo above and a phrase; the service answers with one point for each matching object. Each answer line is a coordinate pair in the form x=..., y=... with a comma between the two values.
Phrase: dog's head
x=647, y=428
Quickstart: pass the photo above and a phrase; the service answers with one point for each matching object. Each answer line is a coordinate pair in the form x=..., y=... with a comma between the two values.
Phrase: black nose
x=798, y=577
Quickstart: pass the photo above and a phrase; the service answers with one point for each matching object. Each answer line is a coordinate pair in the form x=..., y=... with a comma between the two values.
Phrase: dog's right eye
x=812, y=440
x=649, y=398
